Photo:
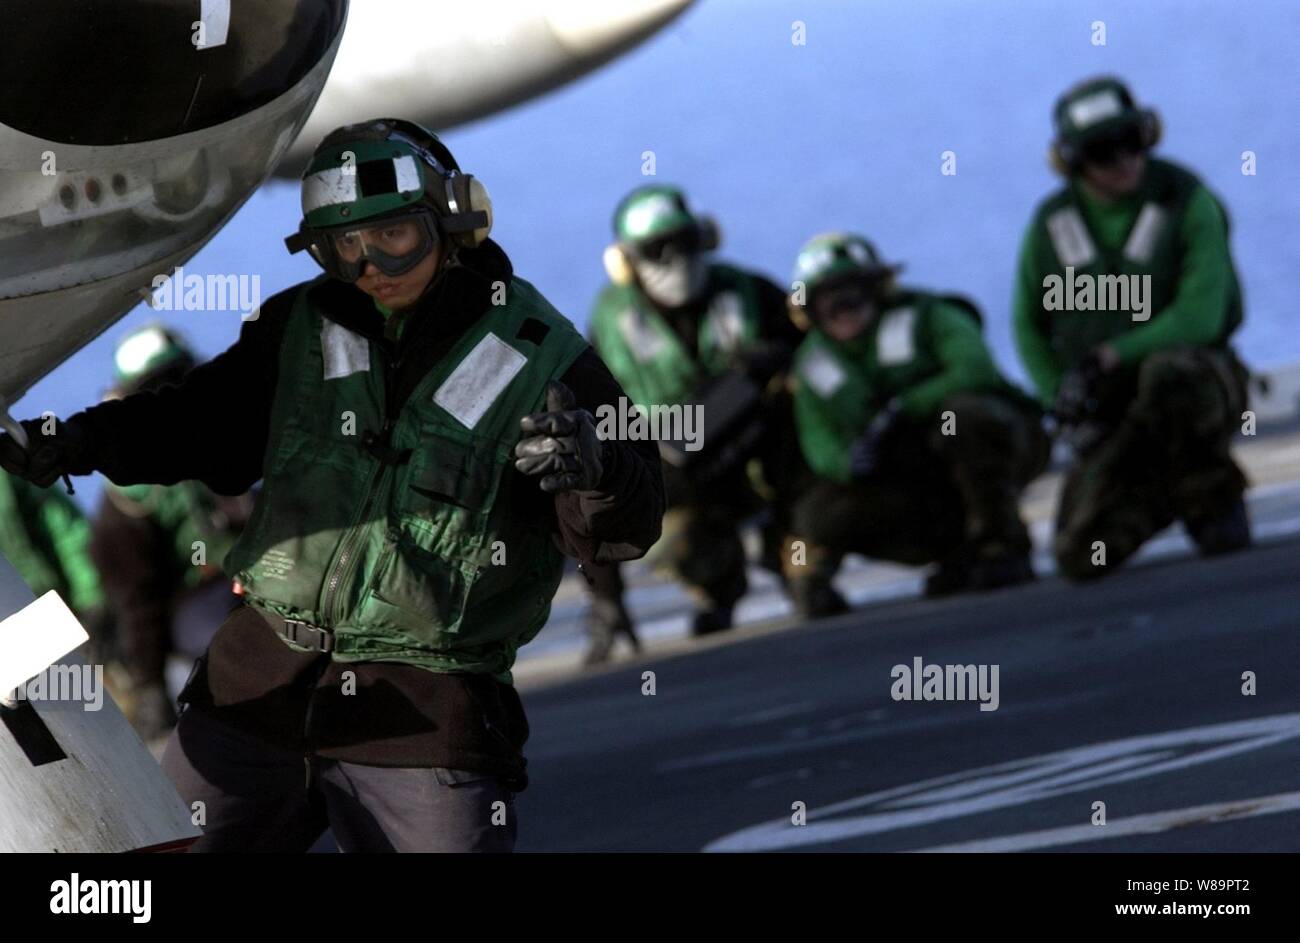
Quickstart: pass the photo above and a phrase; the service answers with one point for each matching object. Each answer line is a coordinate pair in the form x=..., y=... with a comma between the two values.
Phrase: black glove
x=561, y=444
x=1076, y=397
x=66, y=451
x=866, y=450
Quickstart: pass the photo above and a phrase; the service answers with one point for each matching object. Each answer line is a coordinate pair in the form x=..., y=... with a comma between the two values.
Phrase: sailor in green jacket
x=671, y=321
x=421, y=421
x=159, y=550
x=1125, y=299
x=46, y=538
x=924, y=448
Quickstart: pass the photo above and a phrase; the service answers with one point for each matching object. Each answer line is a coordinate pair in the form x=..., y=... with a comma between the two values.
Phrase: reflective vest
x=408, y=553
x=646, y=355
x=1153, y=246
x=859, y=378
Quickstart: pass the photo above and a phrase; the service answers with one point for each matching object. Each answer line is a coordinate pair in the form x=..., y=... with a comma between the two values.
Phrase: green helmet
x=651, y=212
x=1095, y=110
x=381, y=169
x=147, y=355
x=831, y=256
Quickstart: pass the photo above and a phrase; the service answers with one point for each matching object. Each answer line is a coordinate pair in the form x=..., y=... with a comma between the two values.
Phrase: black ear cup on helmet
x=710, y=233
x=1061, y=155
x=1152, y=128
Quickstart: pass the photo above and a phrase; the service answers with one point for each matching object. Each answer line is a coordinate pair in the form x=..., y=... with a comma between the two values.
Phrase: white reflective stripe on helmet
x=329, y=187
x=406, y=174
x=1096, y=107
x=335, y=185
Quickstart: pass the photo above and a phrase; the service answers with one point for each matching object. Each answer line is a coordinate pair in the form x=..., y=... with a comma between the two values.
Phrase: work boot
x=606, y=621
x=1222, y=533
x=816, y=599
x=709, y=621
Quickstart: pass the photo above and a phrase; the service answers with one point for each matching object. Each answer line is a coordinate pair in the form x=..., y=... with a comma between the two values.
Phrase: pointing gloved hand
x=66, y=451
x=561, y=444
x=865, y=452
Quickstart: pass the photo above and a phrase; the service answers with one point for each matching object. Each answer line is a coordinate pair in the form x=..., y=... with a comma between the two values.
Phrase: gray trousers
x=256, y=797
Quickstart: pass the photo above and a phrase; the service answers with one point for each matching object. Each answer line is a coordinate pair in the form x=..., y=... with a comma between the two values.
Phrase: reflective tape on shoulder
x=344, y=352
x=479, y=379
x=1070, y=237
x=822, y=373
x=1141, y=244
x=894, y=342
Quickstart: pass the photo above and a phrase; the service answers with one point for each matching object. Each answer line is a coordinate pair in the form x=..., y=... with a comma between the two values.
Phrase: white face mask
x=675, y=281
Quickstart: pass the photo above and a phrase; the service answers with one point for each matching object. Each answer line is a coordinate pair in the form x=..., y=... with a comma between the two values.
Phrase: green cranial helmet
x=148, y=355
x=651, y=212
x=831, y=257
x=1097, y=109
x=385, y=169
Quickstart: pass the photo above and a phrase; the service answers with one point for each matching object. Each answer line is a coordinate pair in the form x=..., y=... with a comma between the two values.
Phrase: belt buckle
x=322, y=640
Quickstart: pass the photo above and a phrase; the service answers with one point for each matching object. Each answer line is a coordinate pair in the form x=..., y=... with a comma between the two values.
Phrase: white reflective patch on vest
x=894, y=341
x=821, y=372
x=475, y=384
x=1141, y=244
x=726, y=321
x=642, y=339
x=1070, y=237
x=328, y=187
x=345, y=352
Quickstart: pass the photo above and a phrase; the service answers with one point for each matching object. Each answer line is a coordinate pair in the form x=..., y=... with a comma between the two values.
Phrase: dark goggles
x=834, y=301
x=1107, y=150
x=682, y=242
x=394, y=245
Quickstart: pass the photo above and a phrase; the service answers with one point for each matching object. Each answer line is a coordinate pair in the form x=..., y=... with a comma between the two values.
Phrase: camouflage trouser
x=1166, y=459
x=937, y=496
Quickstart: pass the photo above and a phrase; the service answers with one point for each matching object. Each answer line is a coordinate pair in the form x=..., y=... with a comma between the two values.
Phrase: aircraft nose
x=598, y=27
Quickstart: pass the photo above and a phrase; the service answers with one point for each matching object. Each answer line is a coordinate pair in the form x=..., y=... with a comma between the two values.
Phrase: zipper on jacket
x=347, y=556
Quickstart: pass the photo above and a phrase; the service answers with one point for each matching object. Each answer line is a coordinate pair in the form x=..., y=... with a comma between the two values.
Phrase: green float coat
x=648, y=358
x=418, y=561
x=921, y=349
x=45, y=536
x=1171, y=229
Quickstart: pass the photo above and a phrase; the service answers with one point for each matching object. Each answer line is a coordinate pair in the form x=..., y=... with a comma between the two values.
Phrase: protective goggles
x=686, y=241
x=847, y=298
x=1107, y=150
x=394, y=245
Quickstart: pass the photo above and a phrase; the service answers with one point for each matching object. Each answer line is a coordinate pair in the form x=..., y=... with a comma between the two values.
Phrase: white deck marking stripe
x=1148, y=824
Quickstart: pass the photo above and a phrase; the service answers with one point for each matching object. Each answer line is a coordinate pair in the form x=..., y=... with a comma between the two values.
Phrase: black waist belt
x=300, y=633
